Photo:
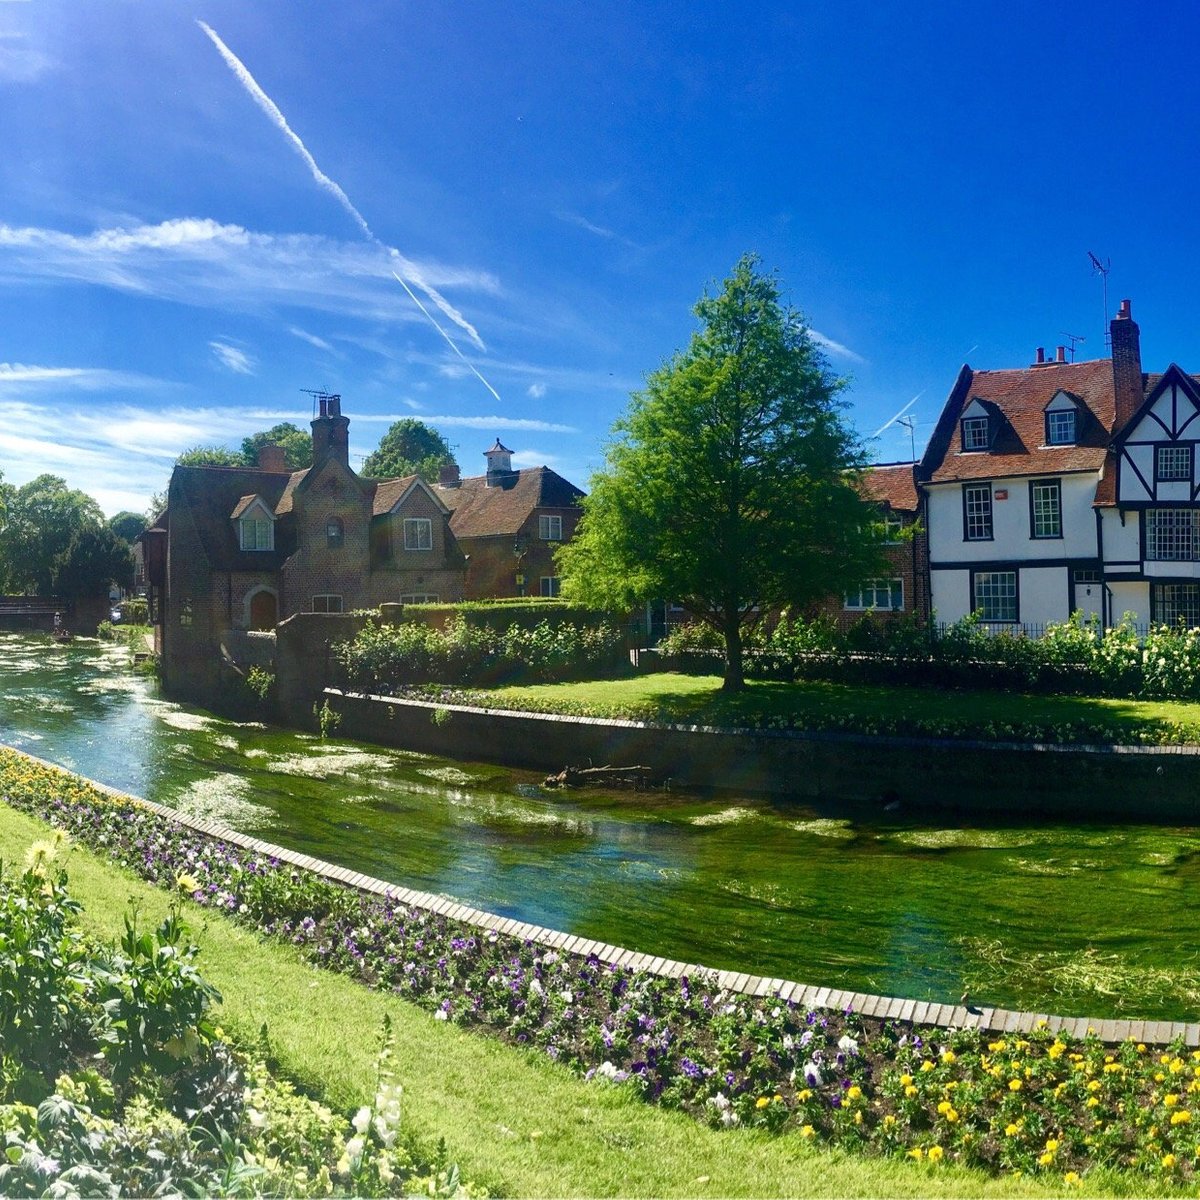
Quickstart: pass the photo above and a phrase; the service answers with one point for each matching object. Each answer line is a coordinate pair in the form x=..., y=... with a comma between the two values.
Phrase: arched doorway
x=264, y=610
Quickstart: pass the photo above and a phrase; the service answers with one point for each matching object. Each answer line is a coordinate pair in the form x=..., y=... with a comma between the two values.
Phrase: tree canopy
x=43, y=516
x=210, y=456
x=127, y=525
x=730, y=484
x=296, y=443
x=94, y=557
x=409, y=447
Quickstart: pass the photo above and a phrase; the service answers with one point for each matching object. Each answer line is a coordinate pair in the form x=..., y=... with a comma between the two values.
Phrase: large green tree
x=297, y=445
x=210, y=456
x=43, y=516
x=127, y=525
x=409, y=447
x=730, y=483
x=94, y=558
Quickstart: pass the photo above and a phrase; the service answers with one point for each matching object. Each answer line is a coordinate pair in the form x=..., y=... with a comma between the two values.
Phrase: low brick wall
x=1123, y=782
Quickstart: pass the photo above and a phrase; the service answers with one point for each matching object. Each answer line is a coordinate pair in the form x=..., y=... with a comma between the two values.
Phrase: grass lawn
x=698, y=699
x=514, y=1121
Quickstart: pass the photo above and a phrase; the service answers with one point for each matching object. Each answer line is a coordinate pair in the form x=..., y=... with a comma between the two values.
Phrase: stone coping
x=810, y=735
x=916, y=1012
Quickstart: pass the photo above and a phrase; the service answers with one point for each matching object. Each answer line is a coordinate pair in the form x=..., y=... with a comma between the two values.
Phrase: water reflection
x=1099, y=919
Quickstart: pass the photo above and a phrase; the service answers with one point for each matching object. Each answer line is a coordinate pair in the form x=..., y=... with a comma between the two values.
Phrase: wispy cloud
x=410, y=269
x=537, y=390
x=198, y=261
x=311, y=339
x=457, y=422
x=835, y=348
x=21, y=62
x=600, y=231
x=21, y=379
x=232, y=358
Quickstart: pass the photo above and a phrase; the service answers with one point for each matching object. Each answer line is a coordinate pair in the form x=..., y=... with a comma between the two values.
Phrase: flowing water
x=1089, y=919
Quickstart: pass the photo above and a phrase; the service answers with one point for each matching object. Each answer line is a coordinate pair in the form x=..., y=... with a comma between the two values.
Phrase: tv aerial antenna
x=907, y=420
x=1075, y=339
x=910, y=423
x=319, y=394
x=1102, y=269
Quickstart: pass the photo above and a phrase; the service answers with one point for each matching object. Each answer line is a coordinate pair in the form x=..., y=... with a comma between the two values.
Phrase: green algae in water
x=1084, y=919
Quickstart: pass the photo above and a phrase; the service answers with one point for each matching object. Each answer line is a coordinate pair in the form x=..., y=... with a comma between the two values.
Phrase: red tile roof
x=502, y=509
x=1019, y=398
x=891, y=484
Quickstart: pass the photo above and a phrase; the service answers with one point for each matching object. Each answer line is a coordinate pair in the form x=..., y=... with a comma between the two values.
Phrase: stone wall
x=1136, y=783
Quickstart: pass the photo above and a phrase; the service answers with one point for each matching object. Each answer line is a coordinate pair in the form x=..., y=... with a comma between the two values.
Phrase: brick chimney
x=271, y=458
x=448, y=475
x=1128, y=390
x=330, y=432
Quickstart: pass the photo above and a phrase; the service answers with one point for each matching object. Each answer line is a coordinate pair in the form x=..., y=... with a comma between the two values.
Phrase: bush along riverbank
x=115, y=1079
x=1039, y=1104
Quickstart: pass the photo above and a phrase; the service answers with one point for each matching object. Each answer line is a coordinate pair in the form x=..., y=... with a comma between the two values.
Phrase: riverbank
x=513, y=1119
x=971, y=778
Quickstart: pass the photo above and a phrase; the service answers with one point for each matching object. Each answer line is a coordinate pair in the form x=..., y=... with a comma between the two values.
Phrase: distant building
x=509, y=523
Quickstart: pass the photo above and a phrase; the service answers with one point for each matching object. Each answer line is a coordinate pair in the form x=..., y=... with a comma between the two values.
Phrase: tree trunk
x=735, y=679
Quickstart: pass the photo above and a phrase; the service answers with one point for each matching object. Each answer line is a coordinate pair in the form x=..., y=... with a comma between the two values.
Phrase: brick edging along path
x=916, y=1012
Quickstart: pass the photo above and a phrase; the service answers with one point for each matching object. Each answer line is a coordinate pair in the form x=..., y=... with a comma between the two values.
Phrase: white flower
x=384, y=1132
x=812, y=1074
x=847, y=1044
x=441, y=1015
x=568, y=995
x=362, y=1120
x=535, y=987
x=720, y=1101
x=354, y=1151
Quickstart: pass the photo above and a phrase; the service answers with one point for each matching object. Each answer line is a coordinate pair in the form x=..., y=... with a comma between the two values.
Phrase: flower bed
x=1042, y=1104
x=114, y=1079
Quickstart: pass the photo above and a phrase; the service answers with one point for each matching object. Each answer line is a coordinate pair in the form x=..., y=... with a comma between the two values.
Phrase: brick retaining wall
x=1122, y=782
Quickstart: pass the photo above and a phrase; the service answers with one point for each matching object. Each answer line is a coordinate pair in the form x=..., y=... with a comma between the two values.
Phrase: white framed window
x=327, y=602
x=1173, y=463
x=550, y=585
x=994, y=595
x=975, y=433
x=1175, y=603
x=1172, y=534
x=550, y=528
x=977, y=512
x=419, y=598
x=883, y=594
x=1060, y=427
x=418, y=533
x=256, y=533
x=893, y=527
x=1045, y=508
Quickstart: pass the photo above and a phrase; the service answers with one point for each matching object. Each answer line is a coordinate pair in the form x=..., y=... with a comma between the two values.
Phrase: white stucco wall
x=1132, y=598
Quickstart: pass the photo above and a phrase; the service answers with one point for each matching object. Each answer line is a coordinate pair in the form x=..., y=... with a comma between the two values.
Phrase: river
x=1084, y=919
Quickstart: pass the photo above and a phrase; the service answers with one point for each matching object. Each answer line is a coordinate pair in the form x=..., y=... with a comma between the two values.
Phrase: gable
x=1062, y=400
x=1156, y=451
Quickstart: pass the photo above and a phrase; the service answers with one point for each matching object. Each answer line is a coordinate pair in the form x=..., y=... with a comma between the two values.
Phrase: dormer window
x=1060, y=427
x=255, y=524
x=975, y=433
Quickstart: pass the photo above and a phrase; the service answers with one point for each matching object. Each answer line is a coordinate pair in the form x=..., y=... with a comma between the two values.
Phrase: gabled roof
x=1018, y=446
x=208, y=495
x=390, y=492
x=481, y=511
x=891, y=484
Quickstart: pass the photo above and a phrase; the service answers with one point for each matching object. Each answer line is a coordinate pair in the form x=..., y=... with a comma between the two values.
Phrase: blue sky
x=202, y=206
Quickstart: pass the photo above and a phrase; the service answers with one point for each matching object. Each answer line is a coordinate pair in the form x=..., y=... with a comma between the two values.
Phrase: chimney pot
x=1041, y=355
x=1128, y=387
x=1061, y=354
x=1124, y=313
x=448, y=476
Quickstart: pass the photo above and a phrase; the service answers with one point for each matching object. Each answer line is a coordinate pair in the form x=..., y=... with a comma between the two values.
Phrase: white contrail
x=271, y=109
x=280, y=121
x=400, y=280
x=901, y=413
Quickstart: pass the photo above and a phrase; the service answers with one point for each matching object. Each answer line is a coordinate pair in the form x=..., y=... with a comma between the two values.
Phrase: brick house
x=904, y=588
x=509, y=523
x=241, y=549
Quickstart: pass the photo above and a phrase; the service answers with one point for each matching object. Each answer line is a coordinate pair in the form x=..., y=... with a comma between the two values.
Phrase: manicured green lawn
x=514, y=1121
x=699, y=699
